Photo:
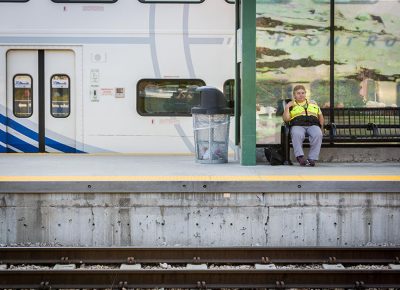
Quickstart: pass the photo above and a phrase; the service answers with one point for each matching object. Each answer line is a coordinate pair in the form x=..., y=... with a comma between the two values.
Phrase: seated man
x=304, y=117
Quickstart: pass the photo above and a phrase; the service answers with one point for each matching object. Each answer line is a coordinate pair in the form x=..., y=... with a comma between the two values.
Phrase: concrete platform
x=128, y=200
x=132, y=173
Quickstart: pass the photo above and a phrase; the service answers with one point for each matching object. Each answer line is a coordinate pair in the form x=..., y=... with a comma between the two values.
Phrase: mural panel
x=293, y=44
x=367, y=53
x=292, y=48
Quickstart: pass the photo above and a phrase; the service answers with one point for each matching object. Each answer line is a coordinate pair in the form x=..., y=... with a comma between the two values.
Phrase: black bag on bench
x=274, y=155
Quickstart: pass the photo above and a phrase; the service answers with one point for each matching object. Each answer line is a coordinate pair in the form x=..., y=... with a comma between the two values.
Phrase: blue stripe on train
x=6, y=150
x=20, y=128
x=3, y=136
x=3, y=139
x=21, y=145
x=33, y=135
x=61, y=147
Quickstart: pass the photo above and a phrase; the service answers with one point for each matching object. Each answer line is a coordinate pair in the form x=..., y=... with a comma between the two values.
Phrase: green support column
x=248, y=83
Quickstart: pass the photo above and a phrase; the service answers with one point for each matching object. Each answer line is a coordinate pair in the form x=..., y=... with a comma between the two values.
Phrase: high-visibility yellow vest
x=309, y=109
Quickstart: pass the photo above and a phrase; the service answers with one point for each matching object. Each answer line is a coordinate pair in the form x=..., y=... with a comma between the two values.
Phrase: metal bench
x=354, y=126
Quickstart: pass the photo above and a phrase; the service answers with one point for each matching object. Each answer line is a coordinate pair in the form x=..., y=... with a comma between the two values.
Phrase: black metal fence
x=362, y=125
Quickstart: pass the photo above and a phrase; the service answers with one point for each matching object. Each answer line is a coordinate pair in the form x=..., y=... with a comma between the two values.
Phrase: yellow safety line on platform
x=203, y=178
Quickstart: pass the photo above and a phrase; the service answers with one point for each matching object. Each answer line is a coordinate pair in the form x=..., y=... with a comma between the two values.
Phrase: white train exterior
x=72, y=74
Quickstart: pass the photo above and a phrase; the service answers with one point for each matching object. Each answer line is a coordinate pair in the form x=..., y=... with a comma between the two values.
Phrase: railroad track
x=202, y=268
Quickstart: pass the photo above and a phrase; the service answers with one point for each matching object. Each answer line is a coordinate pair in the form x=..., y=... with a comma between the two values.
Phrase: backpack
x=274, y=154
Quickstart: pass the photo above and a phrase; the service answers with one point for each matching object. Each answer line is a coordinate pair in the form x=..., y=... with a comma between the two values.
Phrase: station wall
x=200, y=219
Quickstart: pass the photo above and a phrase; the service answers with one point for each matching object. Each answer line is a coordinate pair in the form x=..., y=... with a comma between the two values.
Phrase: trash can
x=211, y=126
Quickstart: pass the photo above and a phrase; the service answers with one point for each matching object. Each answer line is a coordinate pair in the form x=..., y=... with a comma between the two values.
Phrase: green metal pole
x=248, y=83
x=237, y=72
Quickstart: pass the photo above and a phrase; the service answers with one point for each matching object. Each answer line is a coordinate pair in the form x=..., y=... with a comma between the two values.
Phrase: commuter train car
x=109, y=75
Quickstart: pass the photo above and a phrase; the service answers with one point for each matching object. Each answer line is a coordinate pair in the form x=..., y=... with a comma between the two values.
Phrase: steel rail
x=201, y=279
x=183, y=255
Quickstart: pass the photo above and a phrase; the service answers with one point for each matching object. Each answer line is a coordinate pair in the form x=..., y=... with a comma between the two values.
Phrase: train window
x=60, y=100
x=167, y=97
x=229, y=92
x=230, y=1
x=22, y=96
x=84, y=1
x=171, y=1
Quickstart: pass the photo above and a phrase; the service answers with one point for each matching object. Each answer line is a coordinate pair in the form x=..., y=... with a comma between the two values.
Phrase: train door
x=41, y=101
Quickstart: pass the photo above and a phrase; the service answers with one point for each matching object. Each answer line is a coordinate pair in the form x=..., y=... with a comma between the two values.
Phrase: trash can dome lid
x=212, y=101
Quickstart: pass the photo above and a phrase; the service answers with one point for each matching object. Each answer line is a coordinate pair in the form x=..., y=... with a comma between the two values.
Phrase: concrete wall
x=201, y=219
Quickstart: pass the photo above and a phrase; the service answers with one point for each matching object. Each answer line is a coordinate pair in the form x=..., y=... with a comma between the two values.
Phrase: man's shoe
x=301, y=160
x=311, y=162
